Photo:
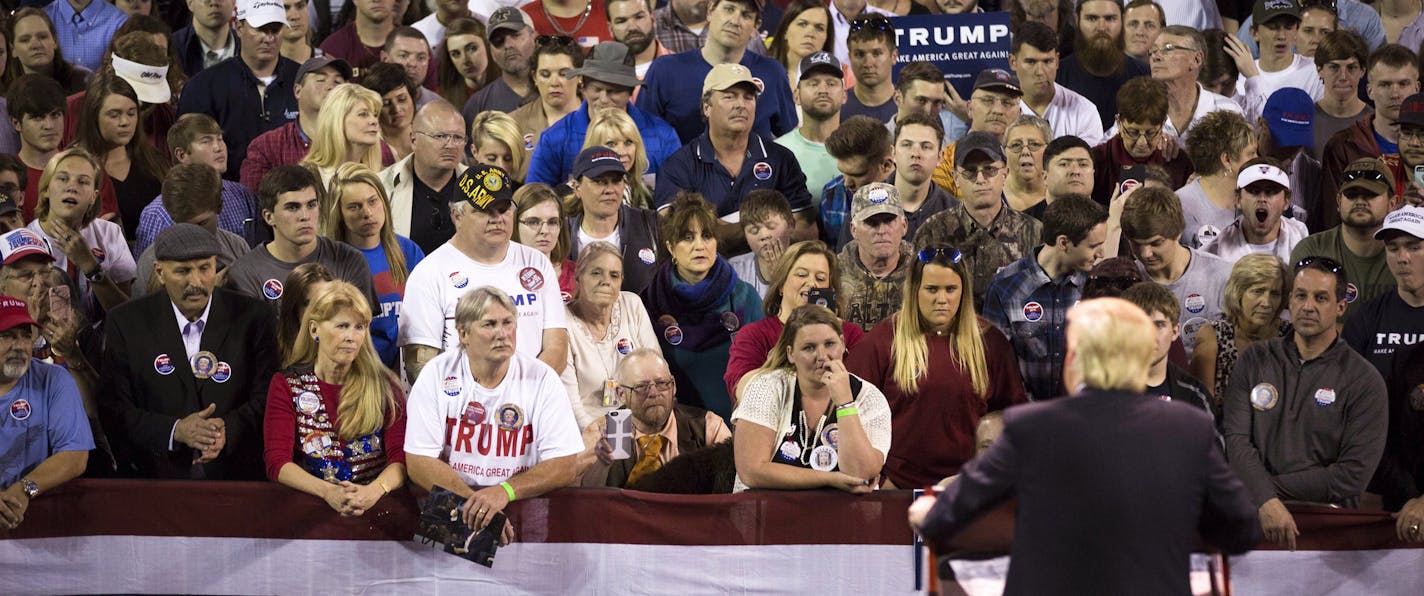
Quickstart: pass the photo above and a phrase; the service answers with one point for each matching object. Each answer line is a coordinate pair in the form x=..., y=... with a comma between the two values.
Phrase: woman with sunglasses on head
x=554, y=56
x=804, y=420
x=941, y=367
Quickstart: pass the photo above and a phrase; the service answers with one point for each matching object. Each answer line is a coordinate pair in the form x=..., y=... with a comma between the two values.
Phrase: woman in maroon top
x=804, y=266
x=940, y=371
x=335, y=421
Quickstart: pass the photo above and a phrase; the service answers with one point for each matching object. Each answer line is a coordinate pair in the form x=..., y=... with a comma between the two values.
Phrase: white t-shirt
x=106, y=240
x=438, y=282
x=525, y=420
x=1204, y=219
x=1253, y=92
x=1069, y=113
x=584, y=239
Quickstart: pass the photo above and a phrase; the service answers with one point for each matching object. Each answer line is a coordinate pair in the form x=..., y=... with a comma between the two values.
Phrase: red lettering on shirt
x=485, y=439
x=528, y=439
x=462, y=442
x=507, y=439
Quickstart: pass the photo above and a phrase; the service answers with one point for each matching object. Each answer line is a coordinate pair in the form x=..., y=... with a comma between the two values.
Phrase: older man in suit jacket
x=1113, y=487
x=185, y=371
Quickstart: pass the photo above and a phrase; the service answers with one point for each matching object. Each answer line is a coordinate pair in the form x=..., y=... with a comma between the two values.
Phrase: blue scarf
x=702, y=312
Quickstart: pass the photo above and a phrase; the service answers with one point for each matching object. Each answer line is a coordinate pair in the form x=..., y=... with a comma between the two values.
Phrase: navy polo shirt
x=767, y=165
x=673, y=91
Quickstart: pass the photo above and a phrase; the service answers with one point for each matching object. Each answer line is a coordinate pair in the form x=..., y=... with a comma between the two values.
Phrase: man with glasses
x=12, y=192
x=422, y=185
x=511, y=40
x=1176, y=59
x=873, y=54
x=1366, y=197
x=1306, y=417
x=1411, y=151
x=983, y=227
x=1098, y=66
x=598, y=184
x=663, y=428
x=993, y=105
x=1393, y=73
x=289, y=143
x=250, y=93
x=1034, y=59
x=1139, y=141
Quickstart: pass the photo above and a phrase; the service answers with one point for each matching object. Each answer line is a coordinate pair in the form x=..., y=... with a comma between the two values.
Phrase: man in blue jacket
x=608, y=82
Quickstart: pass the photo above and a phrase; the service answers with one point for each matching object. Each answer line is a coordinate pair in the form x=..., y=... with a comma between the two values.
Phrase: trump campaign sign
x=961, y=45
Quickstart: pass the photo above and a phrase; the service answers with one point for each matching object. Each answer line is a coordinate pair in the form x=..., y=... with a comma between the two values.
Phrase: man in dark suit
x=170, y=418
x=1113, y=487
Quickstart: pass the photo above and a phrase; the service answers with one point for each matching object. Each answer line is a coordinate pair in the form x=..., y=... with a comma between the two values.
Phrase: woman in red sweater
x=804, y=266
x=335, y=421
x=941, y=368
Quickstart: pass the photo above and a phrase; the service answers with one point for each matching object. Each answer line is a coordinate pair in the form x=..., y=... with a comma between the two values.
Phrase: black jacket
x=637, y=239
x=190, y=50
x=227, y=91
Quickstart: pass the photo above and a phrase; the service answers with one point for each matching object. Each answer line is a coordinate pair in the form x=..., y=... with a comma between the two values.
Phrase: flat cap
x=184, y=242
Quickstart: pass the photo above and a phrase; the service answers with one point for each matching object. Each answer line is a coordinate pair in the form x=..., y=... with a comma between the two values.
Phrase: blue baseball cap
x=1290, y=116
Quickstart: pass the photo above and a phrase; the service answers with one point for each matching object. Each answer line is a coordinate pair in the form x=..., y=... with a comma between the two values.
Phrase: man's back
x=1112, y=491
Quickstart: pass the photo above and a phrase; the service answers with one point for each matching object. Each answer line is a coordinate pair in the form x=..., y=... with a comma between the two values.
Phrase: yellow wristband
x=508, y=490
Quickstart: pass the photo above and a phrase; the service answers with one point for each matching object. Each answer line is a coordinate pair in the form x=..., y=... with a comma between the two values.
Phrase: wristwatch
x=96, y=276
x=32, y=490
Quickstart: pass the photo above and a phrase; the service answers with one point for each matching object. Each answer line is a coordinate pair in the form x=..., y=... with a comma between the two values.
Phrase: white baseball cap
x=149, y=82
x=261, y=12
x=1406, y=219
x=1262, y=171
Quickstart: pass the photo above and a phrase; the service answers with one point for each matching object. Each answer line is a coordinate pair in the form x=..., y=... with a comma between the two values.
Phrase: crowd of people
x=707, y=246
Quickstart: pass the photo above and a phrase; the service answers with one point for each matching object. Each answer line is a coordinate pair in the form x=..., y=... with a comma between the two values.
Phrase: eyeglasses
x=949, y=253
x=1324, y=263
x=643, y=390
x=1132, y=136
x=538, y=224
x=875, y=22
x=1018, y=146
x=1374, y=175
x=1169, y=48
x=445, y=139
x=557, y=41
x=989, y=172
x=1411, y=132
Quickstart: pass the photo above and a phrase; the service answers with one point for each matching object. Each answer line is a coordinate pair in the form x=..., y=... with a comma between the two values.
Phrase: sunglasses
x=554, y=41
x=1375, y=175
x=950, y=254
x=1325, y=263
x=874, y=22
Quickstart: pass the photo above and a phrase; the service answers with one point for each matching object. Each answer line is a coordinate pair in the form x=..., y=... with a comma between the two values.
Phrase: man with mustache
x=1306, y=416
x=631, y=23
x=995, y=102
x=252, y=92
x=47, y=437
x=1140, y=140
x=481, y=253
x=1389, y=324
x=359, y=43
x=165, y=417
x=821, y=93
x=682, y=25
x=1263, y=194
x=1363, y=202
x=1033, y=57
x=1098, y=66
x=511, y=40
x=1393, y=75
x=663, y=428
x=877, y=259
x=208, y=39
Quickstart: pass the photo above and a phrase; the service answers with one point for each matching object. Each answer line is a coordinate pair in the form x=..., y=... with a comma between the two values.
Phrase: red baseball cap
x=14, y=313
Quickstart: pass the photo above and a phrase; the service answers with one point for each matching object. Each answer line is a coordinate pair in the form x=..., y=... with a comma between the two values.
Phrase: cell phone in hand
x=619, y=433
x=60, y=309
x=1419, y=176
x=1132, y=177
x=822, y=297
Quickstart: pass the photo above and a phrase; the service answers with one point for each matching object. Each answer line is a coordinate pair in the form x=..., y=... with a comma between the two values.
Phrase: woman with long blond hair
x=941, y=367
x=335, y=417
x=67, y=217
x=348, y=130
x=360, y=215
x=495, y=140
x=614, y=129
x=839, y=424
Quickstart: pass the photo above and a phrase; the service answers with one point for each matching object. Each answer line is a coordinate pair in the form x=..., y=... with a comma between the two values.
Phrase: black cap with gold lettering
x=485, y=187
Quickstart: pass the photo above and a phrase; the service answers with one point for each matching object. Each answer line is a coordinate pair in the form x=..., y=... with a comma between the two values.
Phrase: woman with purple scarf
x=697, y=304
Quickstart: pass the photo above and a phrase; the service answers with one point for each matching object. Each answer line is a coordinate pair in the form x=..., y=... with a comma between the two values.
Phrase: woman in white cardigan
x=605, y=325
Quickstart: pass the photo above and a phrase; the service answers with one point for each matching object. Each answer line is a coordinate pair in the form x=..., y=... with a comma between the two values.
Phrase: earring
x=316, y=339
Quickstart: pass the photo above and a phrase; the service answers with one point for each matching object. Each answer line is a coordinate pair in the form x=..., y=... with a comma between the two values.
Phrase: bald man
x=422, y=185
x=1156, y=465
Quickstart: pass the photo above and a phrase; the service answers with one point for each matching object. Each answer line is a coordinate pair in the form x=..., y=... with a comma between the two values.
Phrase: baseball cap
x=508, y=17
x=596, y=161
x=976, y=142
x=1412, y=110
x=484, y=187
x=14, y=313
x=1370, y=174
x=725, y=76
x=608, y=63
x=150, y=83
x=316, y=63
x=261, y=12
x=184, y=242
x=873, y=199
x=1266, y=10
x=821, y=61
x=1259, y=172
x=1290, y=116
x=21, y=243
x=998, y=79
x=1407, y=220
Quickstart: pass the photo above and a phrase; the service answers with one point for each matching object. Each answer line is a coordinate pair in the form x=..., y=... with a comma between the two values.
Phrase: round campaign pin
x=222, y=372
x=20, y=409
x=204, y=363
x=529, y=142
x=1351, y=293
x=673, y=335
x=878, y=195
x=308, y=402
x=451, y=386
x=1324, y=396
x=163, y=365
x=647, y=256
x=459, y=280
x=474, y=412
x=531, y=279
x=1206, y=234
x=510, y=417
x=1195, y=303
x=272, y=289
x=832, y=435
x=824, y=458
x=790, y=450
x=1032, y=312
x=624, y=346
x=762, y=171
x=730, y=321
x=1264, y=396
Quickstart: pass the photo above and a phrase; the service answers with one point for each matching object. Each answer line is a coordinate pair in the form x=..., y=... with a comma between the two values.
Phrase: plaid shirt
x=1032, y=310
x=281, y=146
x=676, y=37
x=239, y=216
x=835, y=211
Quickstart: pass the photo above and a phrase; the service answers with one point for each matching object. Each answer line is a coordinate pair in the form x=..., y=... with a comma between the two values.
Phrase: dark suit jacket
x=140, y=404
x=1112, y=491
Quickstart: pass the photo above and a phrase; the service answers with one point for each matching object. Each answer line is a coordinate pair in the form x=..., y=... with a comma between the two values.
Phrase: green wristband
x=847, y=410
x=508, y=490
